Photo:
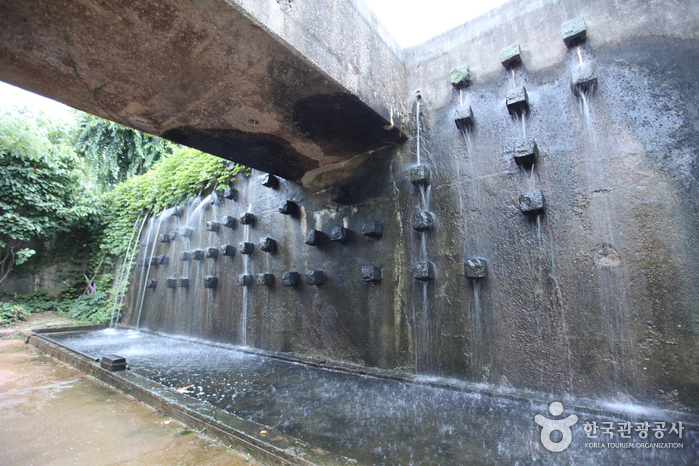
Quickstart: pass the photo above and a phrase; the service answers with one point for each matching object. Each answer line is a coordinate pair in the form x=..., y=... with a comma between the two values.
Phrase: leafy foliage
x=11, y=312
x=19, y=308
x=87, y=308
x=116, y=152
x=91, y=307
x=42, y=193
x=177, y=176
x=50, y=208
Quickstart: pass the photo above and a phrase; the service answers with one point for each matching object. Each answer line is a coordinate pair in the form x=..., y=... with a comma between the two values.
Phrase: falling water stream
x=610, y=266
x=151, y=241
x=128, y=257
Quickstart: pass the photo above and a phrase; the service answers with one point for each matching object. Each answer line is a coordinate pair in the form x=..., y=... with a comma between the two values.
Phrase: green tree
x=115, y=152
x=42, y=192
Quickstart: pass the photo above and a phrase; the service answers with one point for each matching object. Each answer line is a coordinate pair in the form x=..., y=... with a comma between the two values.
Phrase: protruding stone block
x=113, y=363
x=475, y=268
x=183, y=282
x=314, y=237
x=574, y=31
x=288, y=208
x=213, y=226
x=340, y=235
x=229, y=221
x=164, y=238
x=422, y=221
x=264, y=279
x=171, y=282
x=268, y=244
x=371, y=273
x=340, y=194
x=244, y=280
x=532, y=202
x=460, y=77
x=423, y=270
x=214, y=199
x=463, y=117
x=198, y=254
x=228, y=250
x=517, y=100
x=186, y=232
x=230, y=193
x=178, y=211
x=584, y=78
x=186, y=256
x=314, y=277
x=246, y=248
x=291, y=279
x=373, y=229
x=211, y=253
x=174, y=235
x=526, y=152
x=247, y=218
x=163, y=260
x=420, y=175
x=210, y=281
x=511, y=55
x=146, y=244
x=269, y=181
x=151, y=284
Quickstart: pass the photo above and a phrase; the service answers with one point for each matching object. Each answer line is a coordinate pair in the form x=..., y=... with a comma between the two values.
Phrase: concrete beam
x=265, y=84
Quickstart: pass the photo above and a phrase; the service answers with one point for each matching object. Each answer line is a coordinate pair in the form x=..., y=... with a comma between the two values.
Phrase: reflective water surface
x=375, y=421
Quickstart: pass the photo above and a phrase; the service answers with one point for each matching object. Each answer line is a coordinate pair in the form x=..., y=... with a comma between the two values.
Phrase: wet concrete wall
x=596, y=297
x=343, y=318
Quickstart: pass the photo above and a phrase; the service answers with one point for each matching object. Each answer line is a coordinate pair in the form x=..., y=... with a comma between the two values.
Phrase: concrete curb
x=271, y=447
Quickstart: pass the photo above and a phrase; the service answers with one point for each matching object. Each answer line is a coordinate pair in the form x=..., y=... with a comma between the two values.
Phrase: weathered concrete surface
x=536, y=25
x=56, y=264
x=266, y=84
x=345, y=40
x=52, y=414
x=596, y=298
x=344, y=318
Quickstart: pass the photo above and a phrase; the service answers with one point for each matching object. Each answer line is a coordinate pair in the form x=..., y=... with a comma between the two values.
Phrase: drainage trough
x=282, y=409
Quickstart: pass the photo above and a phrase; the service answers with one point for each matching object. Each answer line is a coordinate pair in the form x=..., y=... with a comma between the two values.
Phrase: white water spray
x=124, y=270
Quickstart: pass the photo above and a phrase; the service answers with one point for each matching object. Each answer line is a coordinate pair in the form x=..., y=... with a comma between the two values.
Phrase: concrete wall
x=345, y=40
x=597, y=297
x=68, y=260
x=344, y=319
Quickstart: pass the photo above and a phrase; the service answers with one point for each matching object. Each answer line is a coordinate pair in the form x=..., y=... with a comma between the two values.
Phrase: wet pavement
x=51, y=414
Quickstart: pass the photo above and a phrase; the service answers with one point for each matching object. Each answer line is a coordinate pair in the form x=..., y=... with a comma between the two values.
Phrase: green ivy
x=92, y=308
x=183, y=174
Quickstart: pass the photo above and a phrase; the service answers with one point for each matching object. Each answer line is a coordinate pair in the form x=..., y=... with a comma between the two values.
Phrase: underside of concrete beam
x=215, y=75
